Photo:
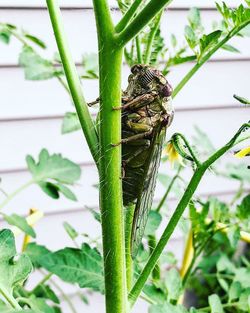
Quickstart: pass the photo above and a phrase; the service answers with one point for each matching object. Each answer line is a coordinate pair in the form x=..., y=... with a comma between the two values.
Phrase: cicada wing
x=145, y=199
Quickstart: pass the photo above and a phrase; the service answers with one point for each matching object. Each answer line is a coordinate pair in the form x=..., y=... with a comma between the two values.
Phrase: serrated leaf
x=35, y=67
x=70, y=123
x=35, y=253
x=70, y=230
x=21, y=223
x=215, y=304
x=5, y=35
x=83, y=266
x=55, y=167
x=208, y=41
x=154, y=221
x=14, y=268
x=53, y=172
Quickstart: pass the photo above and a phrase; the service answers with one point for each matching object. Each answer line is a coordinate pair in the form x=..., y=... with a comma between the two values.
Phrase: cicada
x=146, y=113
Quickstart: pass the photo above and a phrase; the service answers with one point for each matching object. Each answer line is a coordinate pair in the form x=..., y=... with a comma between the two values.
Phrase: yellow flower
x=242, y=153
x=173, y=155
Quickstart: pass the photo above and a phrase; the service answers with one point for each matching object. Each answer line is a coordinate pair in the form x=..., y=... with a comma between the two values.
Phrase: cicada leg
x=90, y=104
x=137, y=102
x=133, y=138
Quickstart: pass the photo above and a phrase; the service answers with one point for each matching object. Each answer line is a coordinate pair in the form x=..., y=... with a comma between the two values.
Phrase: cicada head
x=145, y=78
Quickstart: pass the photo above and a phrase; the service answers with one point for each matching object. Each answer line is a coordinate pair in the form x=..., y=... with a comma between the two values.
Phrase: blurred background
x=31, y=114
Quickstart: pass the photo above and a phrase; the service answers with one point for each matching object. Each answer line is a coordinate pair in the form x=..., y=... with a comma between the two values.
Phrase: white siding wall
x=31, y=112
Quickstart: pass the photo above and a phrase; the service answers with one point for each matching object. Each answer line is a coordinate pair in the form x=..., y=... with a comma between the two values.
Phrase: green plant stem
x=187, y=196
x=110, y=61
x=138, y=49
x=156, y=272
x=170, y=186
x=225, y=305
x=10, y=299
x=151, y=38
x=42, y=281
x=207, y=56
x=190, y=149
x=73, y=78
x=128, y=16
x=13, y=194
x=141, y=20
x=129, y=216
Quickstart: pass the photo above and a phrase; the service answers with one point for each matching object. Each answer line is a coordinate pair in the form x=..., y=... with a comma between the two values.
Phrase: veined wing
x=145, y=199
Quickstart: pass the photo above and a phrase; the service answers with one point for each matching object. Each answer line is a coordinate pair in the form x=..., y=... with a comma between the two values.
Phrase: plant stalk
x=141, y=20
x=110, y=65
x=73, y=78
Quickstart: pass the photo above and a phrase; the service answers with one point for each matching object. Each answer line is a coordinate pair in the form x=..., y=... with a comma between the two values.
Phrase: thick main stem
x=110, y=181
x=110, y=65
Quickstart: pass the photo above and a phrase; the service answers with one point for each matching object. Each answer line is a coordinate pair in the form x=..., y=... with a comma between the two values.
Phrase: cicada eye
x=136, y=69
x=167, y=90
x=146, y=78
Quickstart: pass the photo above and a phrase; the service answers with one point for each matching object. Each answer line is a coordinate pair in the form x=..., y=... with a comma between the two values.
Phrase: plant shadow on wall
x=213, y=258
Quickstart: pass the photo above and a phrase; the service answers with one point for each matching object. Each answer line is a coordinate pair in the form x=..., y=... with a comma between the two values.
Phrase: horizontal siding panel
x=113, y=3
x=81, y=30
x=214, y=85
x=21, y=138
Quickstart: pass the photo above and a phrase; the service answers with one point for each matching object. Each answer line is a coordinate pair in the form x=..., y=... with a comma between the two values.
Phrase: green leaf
x=21, y=223
x=233, y=235
x=190, y=37
x=241, y=99
x=238, y=172
x=83, y=266
x=167, y=308
x=35, y=253
x=36, y=40
x=208, y=41
x=35, y=67
x=5, y=35
x=225, y=265
x=90, y=66
x=14, y=269
x=39, y=305
x=242, y=275
x=154, y=221
x=234, y=291
x=194, y=18
x=45, y=291
x=215, y=304
x=70, y=123
x=230, y=48
x=70, y=230
x=244, y=301
x=174, y=284
x=173, y=40
x=154, y=293
x=243, y=209
x=56, y=168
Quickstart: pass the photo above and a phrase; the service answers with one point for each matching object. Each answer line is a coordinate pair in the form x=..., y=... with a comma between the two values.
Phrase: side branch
x=141, y=20
x=73, y=78
x=128, y=16
x=187, y=196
